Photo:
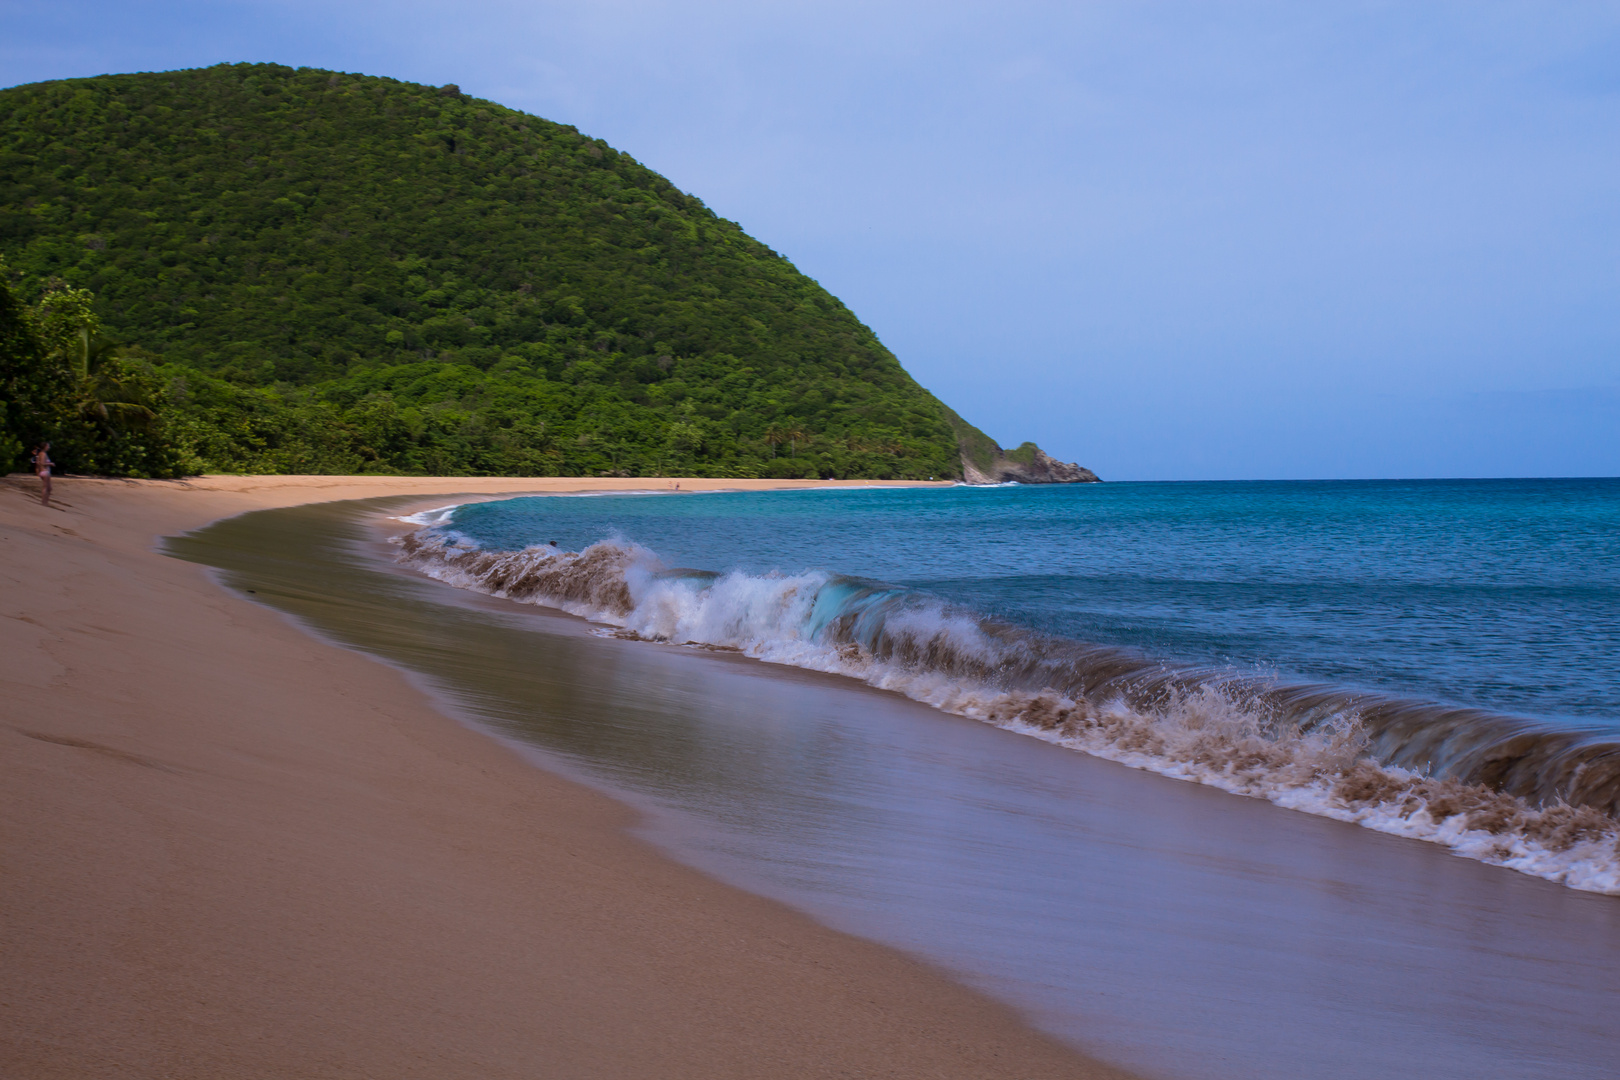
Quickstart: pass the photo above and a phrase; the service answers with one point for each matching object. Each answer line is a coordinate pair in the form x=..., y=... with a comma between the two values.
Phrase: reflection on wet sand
x=1166, y=926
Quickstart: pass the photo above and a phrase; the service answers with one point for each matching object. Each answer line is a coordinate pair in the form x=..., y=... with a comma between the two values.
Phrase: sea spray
x=1493, y=788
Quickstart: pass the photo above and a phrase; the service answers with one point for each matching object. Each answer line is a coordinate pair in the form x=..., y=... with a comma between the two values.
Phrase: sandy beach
x=233, y=850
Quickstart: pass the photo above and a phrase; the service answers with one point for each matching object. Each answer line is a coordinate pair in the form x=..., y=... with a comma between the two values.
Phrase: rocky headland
x=1028, y=464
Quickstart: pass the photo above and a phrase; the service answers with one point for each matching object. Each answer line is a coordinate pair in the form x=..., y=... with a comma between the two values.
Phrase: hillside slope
x=408, y=279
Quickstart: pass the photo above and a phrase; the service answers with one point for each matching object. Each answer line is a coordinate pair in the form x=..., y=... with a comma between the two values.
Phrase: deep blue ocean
x=1502, y=595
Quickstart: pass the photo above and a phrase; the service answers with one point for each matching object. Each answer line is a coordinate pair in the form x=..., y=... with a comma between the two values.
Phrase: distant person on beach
x=42, y=469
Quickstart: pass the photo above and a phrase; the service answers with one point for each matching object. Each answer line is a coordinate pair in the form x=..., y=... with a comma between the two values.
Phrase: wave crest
x=1500, y=789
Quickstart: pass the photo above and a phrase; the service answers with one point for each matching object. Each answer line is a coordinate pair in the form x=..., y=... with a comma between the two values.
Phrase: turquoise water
x=1501, y=595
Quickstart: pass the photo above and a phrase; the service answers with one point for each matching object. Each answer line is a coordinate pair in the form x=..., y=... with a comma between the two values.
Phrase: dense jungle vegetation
x=269, y=269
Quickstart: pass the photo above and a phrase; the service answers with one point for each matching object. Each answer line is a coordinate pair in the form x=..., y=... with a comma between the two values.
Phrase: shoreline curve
x=233, y=849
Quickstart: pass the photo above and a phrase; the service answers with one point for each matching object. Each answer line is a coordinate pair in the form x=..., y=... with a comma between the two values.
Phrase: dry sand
x=231, y=850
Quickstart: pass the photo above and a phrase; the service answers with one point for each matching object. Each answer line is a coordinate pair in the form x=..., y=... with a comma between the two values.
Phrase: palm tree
x=98, y=388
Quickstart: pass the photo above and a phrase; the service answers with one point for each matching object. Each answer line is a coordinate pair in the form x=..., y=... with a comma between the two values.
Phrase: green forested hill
x=334, y=272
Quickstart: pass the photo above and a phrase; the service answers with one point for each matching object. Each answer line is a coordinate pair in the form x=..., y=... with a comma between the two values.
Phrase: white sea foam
x=1204, y=730
x=437, y=516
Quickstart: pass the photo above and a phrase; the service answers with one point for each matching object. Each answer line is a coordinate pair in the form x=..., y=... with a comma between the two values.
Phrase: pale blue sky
x=1168, y=240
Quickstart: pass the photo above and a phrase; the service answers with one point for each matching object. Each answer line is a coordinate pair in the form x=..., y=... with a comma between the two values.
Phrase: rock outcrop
x=985, y=462
x=1028, y=464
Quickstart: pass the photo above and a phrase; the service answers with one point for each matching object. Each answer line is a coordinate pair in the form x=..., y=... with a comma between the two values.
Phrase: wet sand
x=232, y=850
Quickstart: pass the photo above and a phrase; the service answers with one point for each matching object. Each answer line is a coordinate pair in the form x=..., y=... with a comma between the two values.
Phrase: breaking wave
x=1503, y=790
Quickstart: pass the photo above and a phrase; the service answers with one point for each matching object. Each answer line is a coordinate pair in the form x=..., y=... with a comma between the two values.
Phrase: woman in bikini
x=42, y=469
